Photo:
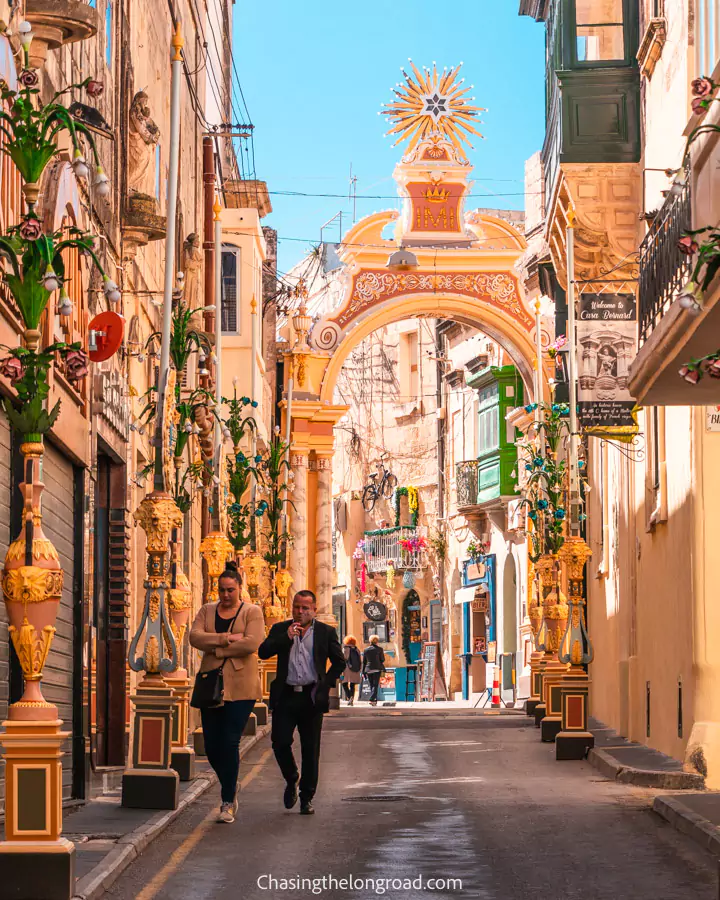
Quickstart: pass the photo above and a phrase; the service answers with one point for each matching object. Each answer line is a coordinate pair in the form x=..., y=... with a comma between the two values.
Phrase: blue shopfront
x=479, y=615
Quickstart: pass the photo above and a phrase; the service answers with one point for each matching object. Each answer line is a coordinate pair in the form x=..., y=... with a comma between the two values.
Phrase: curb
x=684, y=819
x=608, y=766
x=131, y=845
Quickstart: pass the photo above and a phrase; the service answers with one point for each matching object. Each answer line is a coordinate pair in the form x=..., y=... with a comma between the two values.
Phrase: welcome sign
x=606, y=346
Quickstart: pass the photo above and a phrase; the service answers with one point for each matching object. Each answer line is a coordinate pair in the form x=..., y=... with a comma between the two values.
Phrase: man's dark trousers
x=295, y=709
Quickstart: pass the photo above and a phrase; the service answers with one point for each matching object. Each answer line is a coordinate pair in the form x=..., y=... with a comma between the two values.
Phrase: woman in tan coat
x=229, y=633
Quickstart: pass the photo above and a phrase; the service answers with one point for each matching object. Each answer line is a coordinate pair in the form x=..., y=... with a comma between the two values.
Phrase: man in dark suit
x=309, y=662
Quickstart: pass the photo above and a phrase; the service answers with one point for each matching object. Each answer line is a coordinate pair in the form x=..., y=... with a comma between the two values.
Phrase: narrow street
x=458, y=796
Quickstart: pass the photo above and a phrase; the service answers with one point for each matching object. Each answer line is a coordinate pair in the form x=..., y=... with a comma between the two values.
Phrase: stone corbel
x=141, y=224
x=58, y=22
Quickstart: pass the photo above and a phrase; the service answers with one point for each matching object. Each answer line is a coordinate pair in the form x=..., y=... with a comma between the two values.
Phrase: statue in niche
x=192, y=262
x=606, y=362
x=144, y=136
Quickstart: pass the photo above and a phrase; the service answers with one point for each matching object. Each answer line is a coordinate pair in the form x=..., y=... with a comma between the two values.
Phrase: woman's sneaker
x=227, y=813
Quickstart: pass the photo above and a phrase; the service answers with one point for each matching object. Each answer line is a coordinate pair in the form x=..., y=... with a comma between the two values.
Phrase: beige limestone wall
x=640, y=590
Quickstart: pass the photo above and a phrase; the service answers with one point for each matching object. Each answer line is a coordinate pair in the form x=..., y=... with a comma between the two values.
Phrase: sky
x=314, y=76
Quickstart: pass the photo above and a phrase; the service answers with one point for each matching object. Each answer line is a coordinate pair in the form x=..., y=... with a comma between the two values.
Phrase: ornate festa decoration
x=574, y=739
x=576, y=646
x=216, y=550
x=371, y=287
x=253, y=566
x=157, y=515
x=432, y=102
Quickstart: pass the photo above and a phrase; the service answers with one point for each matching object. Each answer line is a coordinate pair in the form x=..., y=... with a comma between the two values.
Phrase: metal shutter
x=59, y=515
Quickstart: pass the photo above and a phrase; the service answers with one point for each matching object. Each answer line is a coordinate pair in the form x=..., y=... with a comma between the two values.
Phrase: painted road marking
x=178, y=857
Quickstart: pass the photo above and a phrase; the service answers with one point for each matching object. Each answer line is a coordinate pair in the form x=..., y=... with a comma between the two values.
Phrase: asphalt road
x=473, y=798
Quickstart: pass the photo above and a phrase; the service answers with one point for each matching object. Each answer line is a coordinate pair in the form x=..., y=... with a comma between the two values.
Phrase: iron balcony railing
x=664, y=268
x=466, y=482
x=382, y=549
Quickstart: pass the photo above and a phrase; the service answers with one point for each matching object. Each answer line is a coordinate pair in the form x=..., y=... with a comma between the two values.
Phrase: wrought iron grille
x=382, y=549
x=466, y=481
x=664, y=268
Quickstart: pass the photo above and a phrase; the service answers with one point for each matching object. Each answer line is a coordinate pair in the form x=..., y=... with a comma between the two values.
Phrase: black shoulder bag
x=208, y=690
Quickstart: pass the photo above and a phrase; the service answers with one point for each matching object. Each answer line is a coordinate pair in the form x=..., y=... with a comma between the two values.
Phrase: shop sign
x=476, y=571
x=111, y=402
x=712, y=418
x=375, y=611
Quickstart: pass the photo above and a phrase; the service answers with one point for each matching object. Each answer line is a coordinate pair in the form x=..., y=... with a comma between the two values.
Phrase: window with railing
x=466, y=482
x=664, y=268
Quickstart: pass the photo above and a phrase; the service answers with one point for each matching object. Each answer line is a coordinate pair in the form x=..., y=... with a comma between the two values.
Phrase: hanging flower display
x=359, y=551
x=363, y=577
x=390, y=576
x=414, y=544
x=411, y=492
x=557, y=345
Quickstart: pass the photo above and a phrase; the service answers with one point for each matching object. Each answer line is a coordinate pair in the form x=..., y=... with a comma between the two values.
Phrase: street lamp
x=402, y=261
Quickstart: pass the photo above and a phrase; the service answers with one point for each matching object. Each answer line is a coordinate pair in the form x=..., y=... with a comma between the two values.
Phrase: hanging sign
x=107, y=330
x=606, y=346
x=375, y=611
x=712, y=420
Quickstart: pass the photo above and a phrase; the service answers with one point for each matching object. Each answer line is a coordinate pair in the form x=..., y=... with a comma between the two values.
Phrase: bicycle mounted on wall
x=374, y=491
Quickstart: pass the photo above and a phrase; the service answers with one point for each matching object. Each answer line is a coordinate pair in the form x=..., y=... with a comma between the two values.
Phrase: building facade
x=620, y=90
x=98, y=449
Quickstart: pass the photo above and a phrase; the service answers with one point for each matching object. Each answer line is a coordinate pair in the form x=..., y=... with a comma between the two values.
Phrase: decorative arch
x=490, y=318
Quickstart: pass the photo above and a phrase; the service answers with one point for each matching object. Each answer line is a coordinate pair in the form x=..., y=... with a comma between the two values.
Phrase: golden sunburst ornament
x=432, y=101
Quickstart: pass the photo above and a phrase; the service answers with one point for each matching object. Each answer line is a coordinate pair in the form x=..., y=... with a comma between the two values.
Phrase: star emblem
x=436, y=106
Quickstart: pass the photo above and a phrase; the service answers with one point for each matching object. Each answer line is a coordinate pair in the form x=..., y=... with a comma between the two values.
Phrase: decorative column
x=545, y=570
x=150, y=783
x=555, y=613
x=535, y=616
x=574, y=740
x=298, y=518
x=323, y=540
x=181, y=602
x=33, y=856
x=323, y=551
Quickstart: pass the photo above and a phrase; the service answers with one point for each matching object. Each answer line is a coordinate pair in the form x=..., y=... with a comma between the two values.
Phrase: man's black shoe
x=307, y=809
x=291, y=795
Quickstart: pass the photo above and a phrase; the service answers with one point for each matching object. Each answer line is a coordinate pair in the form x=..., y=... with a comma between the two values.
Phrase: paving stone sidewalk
x=108, y=837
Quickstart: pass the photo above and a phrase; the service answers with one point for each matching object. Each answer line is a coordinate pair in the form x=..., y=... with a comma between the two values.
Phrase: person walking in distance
x=352, y=674
x=374, y=666
x=229, y=633
x=309, y=662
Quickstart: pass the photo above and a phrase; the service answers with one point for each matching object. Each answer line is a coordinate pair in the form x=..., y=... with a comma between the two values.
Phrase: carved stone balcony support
x=141, y=224
x=58, y=22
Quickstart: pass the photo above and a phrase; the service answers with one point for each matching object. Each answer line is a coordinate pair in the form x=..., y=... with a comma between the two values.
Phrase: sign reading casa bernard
x=712, y=421
x=606, y=346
